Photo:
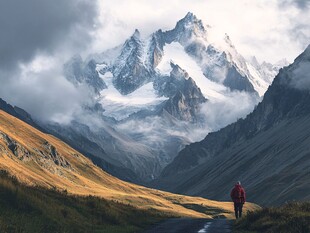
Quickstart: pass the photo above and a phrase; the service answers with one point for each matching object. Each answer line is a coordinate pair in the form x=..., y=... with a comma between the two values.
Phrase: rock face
x=79, y=73
x=131, y=70
x=268, y=150
x=49, y=156
x=185, y=96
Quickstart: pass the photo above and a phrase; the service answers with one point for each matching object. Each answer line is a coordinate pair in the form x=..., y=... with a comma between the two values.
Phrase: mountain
x=40, y=160
x=18, y=113
x=79, y=73
x=268, y=150
x=152, y=96
x=220, y=62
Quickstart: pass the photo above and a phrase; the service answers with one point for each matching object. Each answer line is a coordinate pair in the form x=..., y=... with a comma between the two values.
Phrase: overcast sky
x=37, y=36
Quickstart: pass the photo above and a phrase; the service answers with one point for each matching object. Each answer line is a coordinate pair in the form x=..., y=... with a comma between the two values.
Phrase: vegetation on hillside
x=35, y=209
x=291, y=218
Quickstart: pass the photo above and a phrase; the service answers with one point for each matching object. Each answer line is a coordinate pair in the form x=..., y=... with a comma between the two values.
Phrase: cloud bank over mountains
x=38, y=36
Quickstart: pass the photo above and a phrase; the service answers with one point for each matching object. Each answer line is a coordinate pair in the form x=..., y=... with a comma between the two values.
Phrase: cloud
x=301, y=4
x=41, y=89
x=300, y=72
x=301, y=76
x=32, y=26
x=298, y=16
x=220, y=113
x=37, y=36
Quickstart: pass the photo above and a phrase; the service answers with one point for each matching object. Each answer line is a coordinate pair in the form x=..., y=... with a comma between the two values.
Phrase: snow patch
x=121, y=106
x=145, y=51
x=175, y=52
x=259, y=84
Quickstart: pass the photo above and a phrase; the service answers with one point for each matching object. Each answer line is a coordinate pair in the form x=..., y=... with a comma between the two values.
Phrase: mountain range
x=150, y=97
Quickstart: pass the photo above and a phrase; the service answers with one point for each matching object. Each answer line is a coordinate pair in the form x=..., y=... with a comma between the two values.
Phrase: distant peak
x=136, y=34
x=189, y=17
x=190, y=23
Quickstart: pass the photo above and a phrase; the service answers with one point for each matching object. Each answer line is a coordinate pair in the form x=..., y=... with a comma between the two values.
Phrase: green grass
x=34, y=209
x=290, y=218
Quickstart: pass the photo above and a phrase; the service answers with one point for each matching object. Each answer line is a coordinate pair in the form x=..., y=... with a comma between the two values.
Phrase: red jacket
x=237, y=194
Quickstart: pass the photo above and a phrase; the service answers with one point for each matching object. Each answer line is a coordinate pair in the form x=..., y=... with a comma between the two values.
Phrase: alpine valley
x=150, y=97
x=47, y=186
x=152, y=134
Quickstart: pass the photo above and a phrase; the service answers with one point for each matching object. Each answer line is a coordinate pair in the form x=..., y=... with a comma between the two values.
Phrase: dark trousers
x=238, y=209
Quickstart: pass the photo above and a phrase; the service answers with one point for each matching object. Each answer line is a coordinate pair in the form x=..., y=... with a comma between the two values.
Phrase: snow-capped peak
x=190, y=16
x=218, y=59
x=190, y=27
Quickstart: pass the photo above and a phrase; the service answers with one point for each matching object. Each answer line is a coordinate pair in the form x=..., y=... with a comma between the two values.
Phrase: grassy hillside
x=35, y=209
x=290, y=218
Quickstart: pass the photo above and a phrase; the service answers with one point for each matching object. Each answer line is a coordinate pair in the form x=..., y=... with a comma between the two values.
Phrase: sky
x=38, y=36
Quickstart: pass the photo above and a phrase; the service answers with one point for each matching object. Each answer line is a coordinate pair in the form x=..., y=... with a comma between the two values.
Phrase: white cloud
x=40, y=88
x=219, y=113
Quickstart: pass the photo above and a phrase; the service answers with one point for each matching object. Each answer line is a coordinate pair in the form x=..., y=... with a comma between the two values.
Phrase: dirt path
x=186, y=225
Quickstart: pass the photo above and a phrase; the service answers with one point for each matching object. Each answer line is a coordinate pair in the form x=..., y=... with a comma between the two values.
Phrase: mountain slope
x=85, y=146
x=268, y=150
x=38, y=159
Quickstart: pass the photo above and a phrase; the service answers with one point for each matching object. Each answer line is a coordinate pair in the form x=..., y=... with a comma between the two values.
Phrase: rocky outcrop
x=185, y=97
x=79, y=73
x=49, y=156
x=129, y=70
x=52, y=154
x=186, y=29
x=15, y=148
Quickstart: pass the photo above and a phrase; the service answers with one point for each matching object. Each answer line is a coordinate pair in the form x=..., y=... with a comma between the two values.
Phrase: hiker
x=238, y=197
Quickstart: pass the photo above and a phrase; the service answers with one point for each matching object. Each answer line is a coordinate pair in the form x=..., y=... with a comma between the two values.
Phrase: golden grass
x=87, y=179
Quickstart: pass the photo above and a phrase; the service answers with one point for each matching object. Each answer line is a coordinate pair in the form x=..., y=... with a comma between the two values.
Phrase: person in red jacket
x=237, y=195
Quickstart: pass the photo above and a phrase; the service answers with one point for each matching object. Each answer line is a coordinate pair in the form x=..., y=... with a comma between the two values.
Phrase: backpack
x=238, y=193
